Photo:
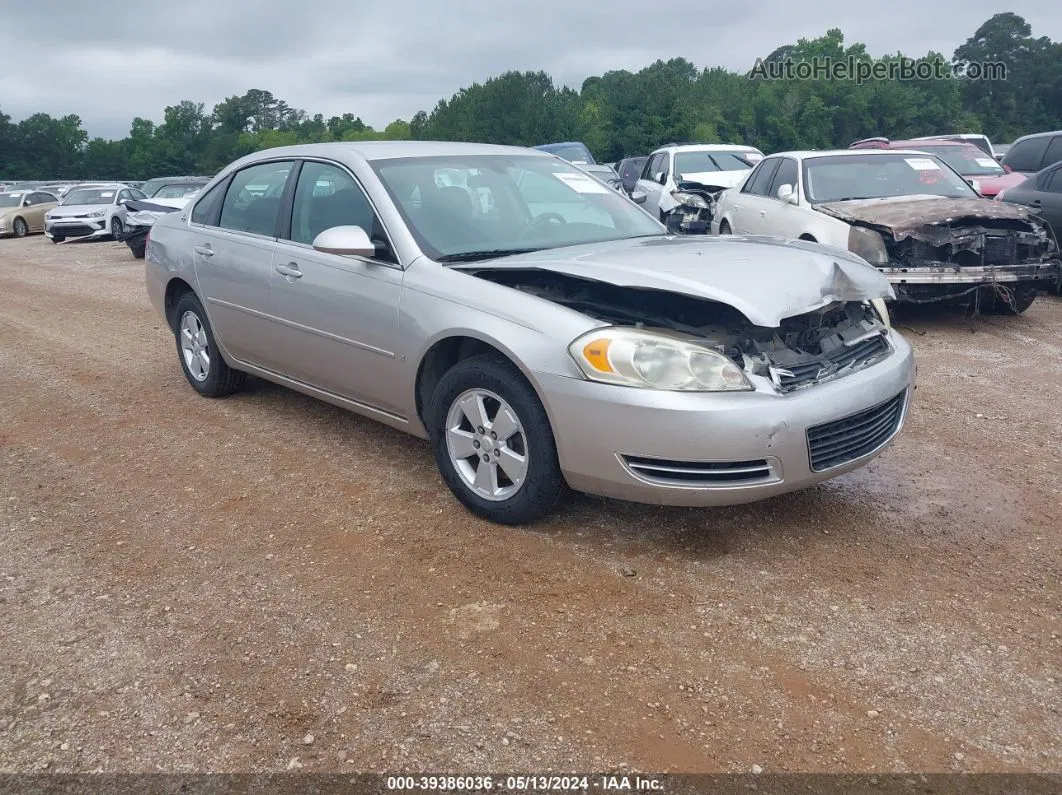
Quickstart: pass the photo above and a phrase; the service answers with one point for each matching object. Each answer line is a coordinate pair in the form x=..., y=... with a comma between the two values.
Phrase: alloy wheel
x=487, y=444
x=195, y=347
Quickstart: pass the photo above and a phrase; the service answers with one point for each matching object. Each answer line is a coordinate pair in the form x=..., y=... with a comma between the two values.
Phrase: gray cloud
x=389, y=59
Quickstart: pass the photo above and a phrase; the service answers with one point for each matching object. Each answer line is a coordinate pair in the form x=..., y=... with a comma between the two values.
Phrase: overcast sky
x=387, y=59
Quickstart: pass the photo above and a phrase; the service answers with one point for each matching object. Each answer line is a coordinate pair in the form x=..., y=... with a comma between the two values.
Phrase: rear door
x=339, y=313
x=233, y=234
x=751, y=204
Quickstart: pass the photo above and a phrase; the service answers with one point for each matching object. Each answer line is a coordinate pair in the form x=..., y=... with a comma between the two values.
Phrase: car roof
x=809, y=153
x=1037, y=135
x=707, y=148
x=387, y=150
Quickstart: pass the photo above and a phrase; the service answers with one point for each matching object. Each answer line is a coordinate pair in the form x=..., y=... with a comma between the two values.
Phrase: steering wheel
x=547, y=218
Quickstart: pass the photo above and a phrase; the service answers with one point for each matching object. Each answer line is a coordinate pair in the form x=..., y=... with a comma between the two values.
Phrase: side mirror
x=639, y=197
x=974, y=184
x=787, y=194
x=345, y=241
x=661, y=177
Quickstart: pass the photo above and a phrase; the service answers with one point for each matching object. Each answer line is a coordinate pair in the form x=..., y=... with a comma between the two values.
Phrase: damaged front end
x=830, y=342
x=941, y=249
x=693, y=210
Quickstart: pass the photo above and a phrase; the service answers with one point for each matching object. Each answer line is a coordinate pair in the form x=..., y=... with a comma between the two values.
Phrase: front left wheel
x=117, y=228
x=201, y=362
x=493, y=442
x=19, y=228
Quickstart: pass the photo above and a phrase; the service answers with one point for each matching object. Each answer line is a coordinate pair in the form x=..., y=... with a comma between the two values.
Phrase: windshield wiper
x=475, y=256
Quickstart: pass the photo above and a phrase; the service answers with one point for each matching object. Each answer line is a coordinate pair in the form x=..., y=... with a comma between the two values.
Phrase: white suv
x=710, y=165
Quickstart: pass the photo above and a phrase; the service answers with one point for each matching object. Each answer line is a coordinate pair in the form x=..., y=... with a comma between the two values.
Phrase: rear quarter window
x=1026, y=155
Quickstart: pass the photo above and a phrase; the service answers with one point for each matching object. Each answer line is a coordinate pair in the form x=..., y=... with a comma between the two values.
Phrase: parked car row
x=89, y=210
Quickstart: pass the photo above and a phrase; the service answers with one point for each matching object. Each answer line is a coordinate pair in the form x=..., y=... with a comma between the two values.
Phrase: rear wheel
x=724, y=228
x=493, y=442
x=138, y=249
x=201, y=362
x=19, y=228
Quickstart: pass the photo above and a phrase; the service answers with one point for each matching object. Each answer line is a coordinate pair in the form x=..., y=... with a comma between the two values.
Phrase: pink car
x=967, y=159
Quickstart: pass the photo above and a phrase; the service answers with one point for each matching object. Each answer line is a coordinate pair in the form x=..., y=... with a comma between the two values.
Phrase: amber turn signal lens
x=596, y=353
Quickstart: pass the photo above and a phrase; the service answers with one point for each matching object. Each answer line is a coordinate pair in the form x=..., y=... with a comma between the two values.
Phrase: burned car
x=908, y=214
x=541, y=331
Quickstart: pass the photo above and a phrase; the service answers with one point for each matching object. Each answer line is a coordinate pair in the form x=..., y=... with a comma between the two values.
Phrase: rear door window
x=758, y=183
x=1054, y=151
x=252, y=201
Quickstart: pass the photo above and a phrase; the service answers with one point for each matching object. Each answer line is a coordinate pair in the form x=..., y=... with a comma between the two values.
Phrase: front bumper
x=77, y=227
x=944, y=273
x=617, y=441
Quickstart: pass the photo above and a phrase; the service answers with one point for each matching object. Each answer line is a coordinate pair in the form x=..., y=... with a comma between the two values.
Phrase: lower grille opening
x=855, y=436
x=700, y=473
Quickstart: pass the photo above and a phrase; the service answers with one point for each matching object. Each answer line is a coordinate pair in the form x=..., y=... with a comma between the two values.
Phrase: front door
x=339, y=313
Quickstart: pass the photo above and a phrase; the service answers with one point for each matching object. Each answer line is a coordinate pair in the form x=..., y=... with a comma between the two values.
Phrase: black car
x=1043, y=193
x=628, y=169
x=1031, y=153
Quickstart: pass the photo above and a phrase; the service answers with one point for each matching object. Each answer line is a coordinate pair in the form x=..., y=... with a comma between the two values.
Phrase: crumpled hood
x=74, y=210
x=902, y=213
x=766, y=279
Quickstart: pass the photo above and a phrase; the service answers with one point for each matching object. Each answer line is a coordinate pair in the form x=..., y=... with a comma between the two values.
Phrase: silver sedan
x=541, y=330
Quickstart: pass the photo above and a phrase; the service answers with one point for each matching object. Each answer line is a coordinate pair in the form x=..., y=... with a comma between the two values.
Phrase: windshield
x=570, y=152
x=178, y=191
x=844, y=177
x=90, y=196
x=968, y=160
x=701, y=162
x=475, y=206
x=10, y=199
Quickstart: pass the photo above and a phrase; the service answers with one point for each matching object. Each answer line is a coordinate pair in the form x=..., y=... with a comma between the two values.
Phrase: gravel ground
x=268, y=583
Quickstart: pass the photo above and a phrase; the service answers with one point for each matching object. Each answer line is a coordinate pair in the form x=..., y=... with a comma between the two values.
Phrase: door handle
x=1035, y=203
x=291, y=270
x=763, y=213
x=204, y=249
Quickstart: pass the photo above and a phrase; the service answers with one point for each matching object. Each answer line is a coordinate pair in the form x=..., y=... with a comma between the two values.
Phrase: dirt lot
x=266, y=581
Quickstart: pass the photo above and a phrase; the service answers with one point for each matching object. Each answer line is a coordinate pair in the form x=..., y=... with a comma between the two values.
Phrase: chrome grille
x=700, y=473
x=858, y=353
x=841, y=441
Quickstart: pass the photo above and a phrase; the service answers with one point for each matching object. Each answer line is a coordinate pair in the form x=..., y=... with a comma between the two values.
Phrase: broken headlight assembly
x=868, y=244
x=686, y=199
x=653, y=360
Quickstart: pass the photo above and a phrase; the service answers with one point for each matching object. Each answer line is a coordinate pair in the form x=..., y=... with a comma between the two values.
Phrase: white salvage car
x=905, y=212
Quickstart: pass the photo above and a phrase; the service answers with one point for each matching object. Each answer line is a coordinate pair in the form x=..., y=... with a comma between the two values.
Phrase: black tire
x=543, y=486
x=221, y=380
x=57, y=239
x=138, y=249
x=724, y=228
x=1014, y=301
x=117, y=228
x=19, y=228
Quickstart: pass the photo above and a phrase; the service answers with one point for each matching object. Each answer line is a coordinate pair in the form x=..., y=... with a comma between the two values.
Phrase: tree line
x=616, y=114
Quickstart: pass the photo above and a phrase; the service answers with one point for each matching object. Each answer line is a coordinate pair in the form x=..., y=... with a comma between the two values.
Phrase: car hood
x=766, y=279
x=990, y=186
x=722, y=179
x=74, y=210
x=902, y=215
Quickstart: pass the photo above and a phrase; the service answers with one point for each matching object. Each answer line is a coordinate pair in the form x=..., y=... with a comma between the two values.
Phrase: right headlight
x=689, y=199
x=654, y=360
x=868, y=244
